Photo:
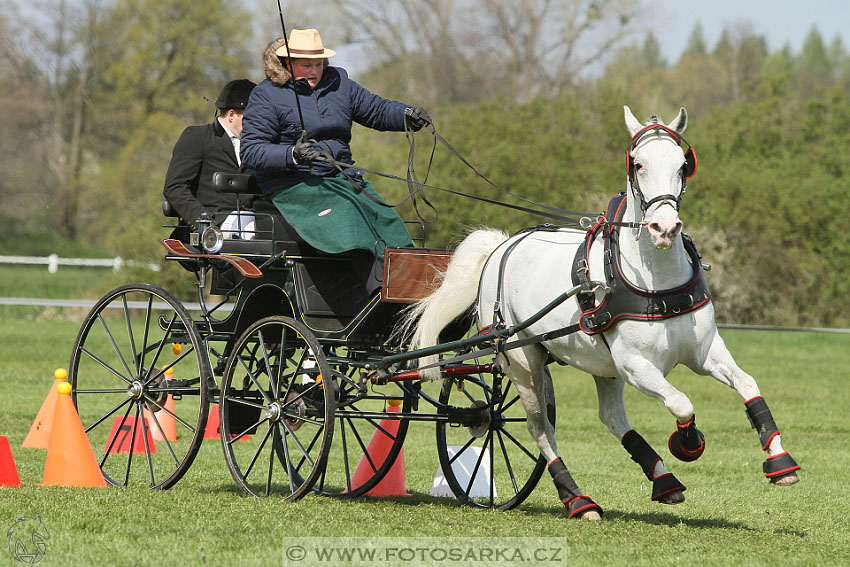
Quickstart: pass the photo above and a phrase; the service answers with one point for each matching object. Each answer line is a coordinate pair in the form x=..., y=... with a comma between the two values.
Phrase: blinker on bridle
x=688, y=169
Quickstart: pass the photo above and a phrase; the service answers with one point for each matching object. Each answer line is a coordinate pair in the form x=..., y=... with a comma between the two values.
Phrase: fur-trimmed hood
x=275, y=71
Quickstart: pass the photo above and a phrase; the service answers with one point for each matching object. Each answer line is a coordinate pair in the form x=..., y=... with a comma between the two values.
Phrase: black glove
x=304, y=152
x=416, y=118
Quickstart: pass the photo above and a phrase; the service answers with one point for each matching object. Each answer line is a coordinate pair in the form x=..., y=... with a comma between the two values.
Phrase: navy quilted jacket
x=271, y=125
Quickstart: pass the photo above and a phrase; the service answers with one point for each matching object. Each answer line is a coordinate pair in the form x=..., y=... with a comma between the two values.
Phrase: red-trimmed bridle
x=689, y=168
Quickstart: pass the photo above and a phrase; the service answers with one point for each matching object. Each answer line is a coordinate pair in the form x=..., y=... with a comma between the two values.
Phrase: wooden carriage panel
x=411, y=274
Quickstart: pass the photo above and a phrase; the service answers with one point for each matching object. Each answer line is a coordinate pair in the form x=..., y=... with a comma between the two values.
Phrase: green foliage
x=772, y=130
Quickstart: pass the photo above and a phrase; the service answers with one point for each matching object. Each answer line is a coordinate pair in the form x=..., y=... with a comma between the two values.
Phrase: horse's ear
x=632, y=123
x=680, y=123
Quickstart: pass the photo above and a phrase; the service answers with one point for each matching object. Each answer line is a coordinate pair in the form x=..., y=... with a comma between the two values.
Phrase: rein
x=416, y=187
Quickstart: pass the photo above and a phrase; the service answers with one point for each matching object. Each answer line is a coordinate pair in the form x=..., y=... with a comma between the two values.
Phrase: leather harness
x=626, y=300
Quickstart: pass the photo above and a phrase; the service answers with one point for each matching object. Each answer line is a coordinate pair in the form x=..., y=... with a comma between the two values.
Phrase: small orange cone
x=8, y=470
x=394, y=483
x=39, y=434
x=213, y=428
x=70, y=459
x=127, y=433
x=165, y=420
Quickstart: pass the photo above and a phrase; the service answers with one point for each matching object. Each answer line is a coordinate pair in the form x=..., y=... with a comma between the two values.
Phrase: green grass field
x=732, y=515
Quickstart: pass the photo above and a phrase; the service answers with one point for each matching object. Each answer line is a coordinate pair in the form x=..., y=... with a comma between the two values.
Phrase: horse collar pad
x=626, y=300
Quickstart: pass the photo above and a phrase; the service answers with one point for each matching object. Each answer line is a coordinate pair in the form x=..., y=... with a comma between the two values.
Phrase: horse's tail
x=456, y=294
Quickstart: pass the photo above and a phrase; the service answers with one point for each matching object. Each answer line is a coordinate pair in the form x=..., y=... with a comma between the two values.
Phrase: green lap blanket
x=331, y=215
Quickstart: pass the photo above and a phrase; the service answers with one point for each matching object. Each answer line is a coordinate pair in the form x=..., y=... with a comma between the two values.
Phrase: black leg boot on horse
x=666, y=488
x=779, y=468
x=578, y=505
x=687, y=443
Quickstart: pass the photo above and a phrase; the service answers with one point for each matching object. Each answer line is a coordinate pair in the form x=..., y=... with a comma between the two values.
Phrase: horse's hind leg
x=779, y=467
x=526, y=370
x=666, y=488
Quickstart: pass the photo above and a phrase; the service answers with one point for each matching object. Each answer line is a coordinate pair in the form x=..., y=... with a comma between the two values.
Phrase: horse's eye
x=638, y=166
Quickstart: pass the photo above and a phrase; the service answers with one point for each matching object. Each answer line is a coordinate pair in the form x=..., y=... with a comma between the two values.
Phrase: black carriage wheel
x=277, y=409
x=368, y=435
x=491, y=462
x=139, y=374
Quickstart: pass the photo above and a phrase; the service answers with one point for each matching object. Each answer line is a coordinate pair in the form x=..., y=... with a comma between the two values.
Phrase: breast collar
x=626, y=300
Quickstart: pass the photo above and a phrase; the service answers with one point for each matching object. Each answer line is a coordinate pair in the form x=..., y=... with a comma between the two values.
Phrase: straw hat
x=305, y=44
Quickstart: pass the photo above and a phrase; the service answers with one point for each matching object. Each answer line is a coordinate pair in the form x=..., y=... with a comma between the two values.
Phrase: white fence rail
x=53, y=262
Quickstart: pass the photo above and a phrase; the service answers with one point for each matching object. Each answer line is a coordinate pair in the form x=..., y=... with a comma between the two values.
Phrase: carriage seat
x=272, y=233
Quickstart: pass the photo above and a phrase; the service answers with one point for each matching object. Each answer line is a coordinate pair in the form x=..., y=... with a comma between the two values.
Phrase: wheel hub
x=295, y=410
x=136, y=390
x=483, y=425
x=273, y=412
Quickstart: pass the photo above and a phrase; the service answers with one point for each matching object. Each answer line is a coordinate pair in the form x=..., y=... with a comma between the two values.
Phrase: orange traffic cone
x=8, y=470
x=39, y=434
x=70, y=459
x=213, y=428
x=127, y=433
x=165, y=420
x=394, y=483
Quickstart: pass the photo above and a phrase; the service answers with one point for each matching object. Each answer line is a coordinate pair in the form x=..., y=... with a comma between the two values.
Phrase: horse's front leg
x=666, y=488
x=687, y=443
x=779, y=467
x=527, y=372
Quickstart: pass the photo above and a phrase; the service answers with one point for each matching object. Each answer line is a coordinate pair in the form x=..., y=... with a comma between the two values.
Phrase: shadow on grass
x=555, y=511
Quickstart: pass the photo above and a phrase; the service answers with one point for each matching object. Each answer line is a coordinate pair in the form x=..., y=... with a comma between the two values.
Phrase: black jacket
x=200, y=152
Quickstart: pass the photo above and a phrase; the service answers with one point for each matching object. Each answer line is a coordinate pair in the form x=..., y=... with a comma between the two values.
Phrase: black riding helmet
x=235, y=94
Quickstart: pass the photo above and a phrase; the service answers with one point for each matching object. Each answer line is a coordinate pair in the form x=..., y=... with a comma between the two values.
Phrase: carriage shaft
x=492, y=334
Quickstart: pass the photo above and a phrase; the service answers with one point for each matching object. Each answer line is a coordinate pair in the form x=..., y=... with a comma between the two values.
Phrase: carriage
x=301, y=364
x=289, y=361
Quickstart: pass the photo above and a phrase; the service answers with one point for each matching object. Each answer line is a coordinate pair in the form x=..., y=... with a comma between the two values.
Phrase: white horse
x=514, y=278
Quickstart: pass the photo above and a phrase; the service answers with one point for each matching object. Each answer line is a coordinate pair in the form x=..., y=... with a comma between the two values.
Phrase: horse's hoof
x=678, y=446
x=582, y=507
x=786, y=479
x=667, y=489
x=675, y=497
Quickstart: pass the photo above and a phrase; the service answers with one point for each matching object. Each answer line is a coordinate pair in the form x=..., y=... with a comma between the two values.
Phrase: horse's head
x=658, y=169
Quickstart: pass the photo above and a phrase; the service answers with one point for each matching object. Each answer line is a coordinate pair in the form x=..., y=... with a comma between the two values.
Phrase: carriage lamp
x=212, y=239
x=202, y=223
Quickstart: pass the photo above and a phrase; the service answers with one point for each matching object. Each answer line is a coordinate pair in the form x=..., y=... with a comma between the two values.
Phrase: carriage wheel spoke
x=105, y=365
x=507, y=462
x=520, y=445
x=478, y=462
x=114, y=344
x=258, y=451
x=130, y=334
x=159, y=346
x=148, y=312
x=172, y=364
x=461, y=450
x=176, y=417
x=161, y=432
x=115, y=437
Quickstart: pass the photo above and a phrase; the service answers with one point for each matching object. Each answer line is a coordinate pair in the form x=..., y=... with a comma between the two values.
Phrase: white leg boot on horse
x=525, y=367
x=666, y=488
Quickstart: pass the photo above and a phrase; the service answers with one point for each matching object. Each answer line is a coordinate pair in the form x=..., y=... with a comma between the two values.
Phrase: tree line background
x=530, y=91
